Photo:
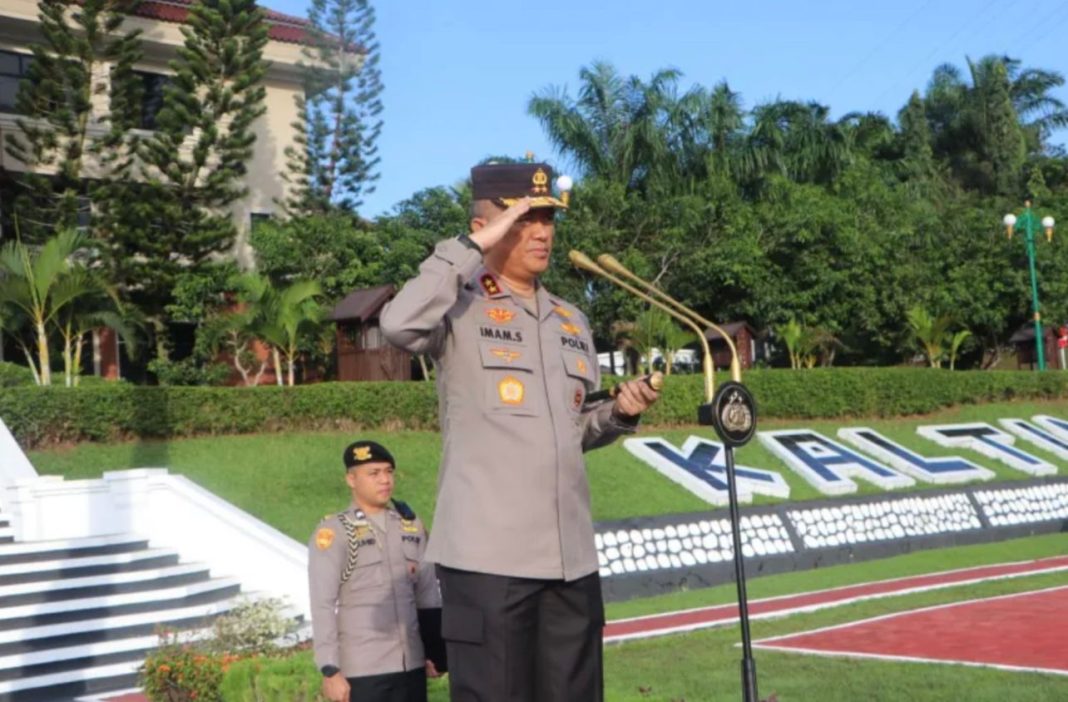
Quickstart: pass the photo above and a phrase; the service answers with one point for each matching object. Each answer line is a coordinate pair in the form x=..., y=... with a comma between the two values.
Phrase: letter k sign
x=701, y=467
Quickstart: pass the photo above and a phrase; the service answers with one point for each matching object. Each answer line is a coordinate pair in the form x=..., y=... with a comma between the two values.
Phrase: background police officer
x=367, y=581
x=513, y=535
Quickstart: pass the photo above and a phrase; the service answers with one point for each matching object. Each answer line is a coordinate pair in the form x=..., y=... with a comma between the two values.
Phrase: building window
x=152, y=86
x=13, y=69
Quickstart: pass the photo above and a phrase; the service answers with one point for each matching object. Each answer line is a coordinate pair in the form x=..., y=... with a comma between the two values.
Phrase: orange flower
x=164, y=668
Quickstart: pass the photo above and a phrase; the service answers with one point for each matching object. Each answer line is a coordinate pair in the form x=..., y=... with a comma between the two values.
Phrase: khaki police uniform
x=513, y=533
x=366, y=587
x=513, y=498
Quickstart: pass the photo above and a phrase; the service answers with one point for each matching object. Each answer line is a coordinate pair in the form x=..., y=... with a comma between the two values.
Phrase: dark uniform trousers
x=390, y=687
x=522, y=640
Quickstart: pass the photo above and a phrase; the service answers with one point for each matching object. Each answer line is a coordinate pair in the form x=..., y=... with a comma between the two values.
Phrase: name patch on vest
x=502, y=334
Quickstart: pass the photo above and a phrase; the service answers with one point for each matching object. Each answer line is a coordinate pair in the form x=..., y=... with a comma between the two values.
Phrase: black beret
x=360, y=452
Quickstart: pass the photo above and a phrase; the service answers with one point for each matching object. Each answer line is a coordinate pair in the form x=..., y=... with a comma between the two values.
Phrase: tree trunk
x=29, y=360
x=277, y=366
x=43, y=361
x=77, y=365
x=422, y=366
x=291, y=362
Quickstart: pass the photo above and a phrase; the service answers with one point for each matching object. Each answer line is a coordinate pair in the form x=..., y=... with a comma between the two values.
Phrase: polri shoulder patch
x=324, y=538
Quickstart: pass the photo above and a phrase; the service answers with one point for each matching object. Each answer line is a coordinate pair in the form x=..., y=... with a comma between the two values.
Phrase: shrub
x=13, y=375
x=182, y=672
x=113, y=411
x=188, y=372
x=252, y=627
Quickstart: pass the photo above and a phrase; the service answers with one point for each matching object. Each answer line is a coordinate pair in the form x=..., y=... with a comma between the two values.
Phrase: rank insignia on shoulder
x=408, y=526
x=500, y=315
x=324, y=538
x=562, y=311
x=570, y=329
x=506, y=355
x=489, y=284
x=511, y=391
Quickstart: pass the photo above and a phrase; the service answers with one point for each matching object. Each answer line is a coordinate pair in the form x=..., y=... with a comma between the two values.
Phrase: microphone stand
x=731, y=411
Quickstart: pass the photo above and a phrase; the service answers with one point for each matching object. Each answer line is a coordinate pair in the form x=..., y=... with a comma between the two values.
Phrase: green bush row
x=106, y=412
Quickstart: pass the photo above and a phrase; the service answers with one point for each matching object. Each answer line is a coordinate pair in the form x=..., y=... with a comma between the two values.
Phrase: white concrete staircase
x=77, y=616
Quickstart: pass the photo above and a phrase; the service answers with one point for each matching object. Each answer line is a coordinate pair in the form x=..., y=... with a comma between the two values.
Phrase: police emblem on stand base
x=732, y=413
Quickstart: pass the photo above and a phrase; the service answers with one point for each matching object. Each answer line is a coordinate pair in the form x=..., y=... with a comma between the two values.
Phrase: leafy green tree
x=336, y=249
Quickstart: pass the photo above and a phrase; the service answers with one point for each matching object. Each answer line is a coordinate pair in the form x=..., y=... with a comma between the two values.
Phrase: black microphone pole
x=732, y=413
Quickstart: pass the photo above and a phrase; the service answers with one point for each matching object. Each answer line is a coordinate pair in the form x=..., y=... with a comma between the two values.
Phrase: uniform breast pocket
x=509, y=380
x=580, y=375
x=367, y=580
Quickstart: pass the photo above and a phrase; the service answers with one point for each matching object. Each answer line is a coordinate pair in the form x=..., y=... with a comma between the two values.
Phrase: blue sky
x=458, y=73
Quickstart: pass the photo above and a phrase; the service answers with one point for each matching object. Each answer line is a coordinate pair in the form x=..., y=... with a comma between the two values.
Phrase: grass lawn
x=705, y=666
x=291, y=480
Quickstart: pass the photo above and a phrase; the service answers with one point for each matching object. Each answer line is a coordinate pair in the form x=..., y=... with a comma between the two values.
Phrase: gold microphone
x=581, y=260
x=609, y=262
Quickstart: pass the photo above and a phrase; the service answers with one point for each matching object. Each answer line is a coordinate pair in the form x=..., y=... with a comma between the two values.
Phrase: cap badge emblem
x=541, y=181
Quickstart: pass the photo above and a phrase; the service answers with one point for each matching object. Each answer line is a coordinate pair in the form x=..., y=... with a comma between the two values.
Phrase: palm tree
x=797, y=140
x=648, y=334
x=282, y=318
x=954, y=346
x=615, y=129
x=674, y=338
x=930, y=332
x=84, y=303
x=32, y=283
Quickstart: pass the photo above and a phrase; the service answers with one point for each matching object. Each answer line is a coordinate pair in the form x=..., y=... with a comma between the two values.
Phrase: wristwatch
x=469, y=242
x=330, y=671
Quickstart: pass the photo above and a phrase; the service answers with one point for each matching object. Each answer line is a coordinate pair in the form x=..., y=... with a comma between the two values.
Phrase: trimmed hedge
x=108, y=412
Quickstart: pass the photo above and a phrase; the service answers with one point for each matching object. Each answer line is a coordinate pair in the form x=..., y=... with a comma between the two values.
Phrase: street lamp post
x=1027, y=221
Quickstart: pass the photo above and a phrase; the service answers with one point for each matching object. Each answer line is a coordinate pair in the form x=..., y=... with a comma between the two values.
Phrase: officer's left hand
x=634, y=397
x=431, y=670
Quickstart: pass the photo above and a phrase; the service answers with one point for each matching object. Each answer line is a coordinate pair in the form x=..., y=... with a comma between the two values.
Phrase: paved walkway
x=1026, y=631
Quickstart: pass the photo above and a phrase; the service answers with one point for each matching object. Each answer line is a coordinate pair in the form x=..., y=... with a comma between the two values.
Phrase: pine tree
x=1003, y=137
x=335, y=159
x=175, y=217
x=918, y=156
x=58, y=128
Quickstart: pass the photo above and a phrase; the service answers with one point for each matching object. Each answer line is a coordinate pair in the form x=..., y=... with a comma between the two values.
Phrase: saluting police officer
x=370, y=589
x=513, y=537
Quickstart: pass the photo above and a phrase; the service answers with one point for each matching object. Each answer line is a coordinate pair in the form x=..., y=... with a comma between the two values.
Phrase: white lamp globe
x=1009, y=220
x=1047, y=222
x=564, y=183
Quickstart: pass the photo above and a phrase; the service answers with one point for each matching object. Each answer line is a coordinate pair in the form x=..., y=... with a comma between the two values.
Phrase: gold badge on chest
x=511, y=390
